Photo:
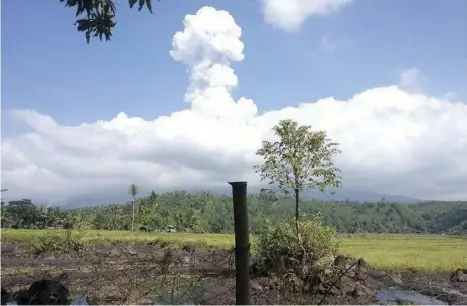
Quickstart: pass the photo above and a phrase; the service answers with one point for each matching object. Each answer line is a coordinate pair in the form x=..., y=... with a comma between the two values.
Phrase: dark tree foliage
x=99, y=16
x=210, y=213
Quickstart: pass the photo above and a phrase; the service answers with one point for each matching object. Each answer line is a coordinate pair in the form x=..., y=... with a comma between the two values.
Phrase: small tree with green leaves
x=300, y=159
x=133, y=190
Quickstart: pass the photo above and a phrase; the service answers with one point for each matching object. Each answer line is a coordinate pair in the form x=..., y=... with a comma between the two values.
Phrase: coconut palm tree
x=133, y=191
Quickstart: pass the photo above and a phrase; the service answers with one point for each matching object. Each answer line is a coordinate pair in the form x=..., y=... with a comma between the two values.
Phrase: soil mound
x=460, y=275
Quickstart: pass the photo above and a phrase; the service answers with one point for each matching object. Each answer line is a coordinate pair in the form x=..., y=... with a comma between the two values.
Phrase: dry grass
x=215, y=241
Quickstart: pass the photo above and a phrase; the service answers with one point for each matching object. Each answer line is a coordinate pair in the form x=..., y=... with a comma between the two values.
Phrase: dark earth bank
x=157, y=274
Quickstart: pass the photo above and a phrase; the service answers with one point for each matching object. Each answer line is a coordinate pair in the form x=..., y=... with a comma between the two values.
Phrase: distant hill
x=361, y=196
x=115, y=196
x=342, y=195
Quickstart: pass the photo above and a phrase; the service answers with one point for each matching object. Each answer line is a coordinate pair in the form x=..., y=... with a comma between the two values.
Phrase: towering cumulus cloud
x=393, y=141
x=208, y=44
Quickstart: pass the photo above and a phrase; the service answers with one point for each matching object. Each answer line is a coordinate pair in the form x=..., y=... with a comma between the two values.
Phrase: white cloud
x=393, y=141
x=289, y=15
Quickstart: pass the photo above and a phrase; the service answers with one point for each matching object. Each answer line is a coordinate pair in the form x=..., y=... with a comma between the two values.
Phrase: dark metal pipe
x=242, y=243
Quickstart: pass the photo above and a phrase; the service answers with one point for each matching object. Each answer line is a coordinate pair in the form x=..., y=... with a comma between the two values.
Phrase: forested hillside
x=206, y=212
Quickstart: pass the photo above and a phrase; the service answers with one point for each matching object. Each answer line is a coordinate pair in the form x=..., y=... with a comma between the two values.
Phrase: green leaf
x=132, y=3
x=149, y=5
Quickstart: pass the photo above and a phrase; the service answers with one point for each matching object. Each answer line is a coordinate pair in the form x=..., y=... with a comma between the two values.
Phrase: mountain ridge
x=114, y=196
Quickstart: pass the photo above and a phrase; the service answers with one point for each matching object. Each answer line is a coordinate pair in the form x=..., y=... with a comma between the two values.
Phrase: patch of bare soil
x=125, y=273
x=148, y=274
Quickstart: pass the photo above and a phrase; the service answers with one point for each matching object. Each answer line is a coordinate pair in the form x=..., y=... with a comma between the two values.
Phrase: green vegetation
x=300, y=159
x=99, y=16
x=133, y=190
x=283, y=253
x=57, y=242
x=204, y=212
x=427, y=253
x=423, y=253
x=215, y=241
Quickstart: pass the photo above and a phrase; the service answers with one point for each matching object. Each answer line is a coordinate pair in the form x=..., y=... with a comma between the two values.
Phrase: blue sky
x=385, y=79
x=48, y=66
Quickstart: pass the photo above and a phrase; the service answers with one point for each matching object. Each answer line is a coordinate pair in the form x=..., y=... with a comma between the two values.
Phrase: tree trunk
x=299, y=234
x=133, y=219
x=297, y=213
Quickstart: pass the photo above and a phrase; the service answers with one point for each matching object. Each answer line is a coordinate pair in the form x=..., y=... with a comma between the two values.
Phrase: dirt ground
x=142, y=274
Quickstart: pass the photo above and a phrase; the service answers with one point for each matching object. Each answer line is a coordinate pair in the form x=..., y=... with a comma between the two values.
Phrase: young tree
x=99, y=16
x=300, y=159
x=153, y=199
x=133, y=191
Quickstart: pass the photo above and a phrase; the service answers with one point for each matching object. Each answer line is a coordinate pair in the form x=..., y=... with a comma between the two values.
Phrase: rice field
x=421, y=253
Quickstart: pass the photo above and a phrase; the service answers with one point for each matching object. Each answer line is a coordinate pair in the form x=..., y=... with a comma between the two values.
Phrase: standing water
x=396, y=296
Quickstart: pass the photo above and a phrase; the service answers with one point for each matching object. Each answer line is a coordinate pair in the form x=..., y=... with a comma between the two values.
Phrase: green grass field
x=424, y=253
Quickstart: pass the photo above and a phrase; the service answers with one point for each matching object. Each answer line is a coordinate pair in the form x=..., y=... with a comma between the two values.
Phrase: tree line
x=205, y=212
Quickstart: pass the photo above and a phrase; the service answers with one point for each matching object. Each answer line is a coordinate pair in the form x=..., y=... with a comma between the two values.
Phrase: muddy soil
x=438, y=286
x=142, y=274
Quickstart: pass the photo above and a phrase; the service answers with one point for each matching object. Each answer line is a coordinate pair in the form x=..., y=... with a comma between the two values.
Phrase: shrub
x=281, y=252
x=58, y=242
